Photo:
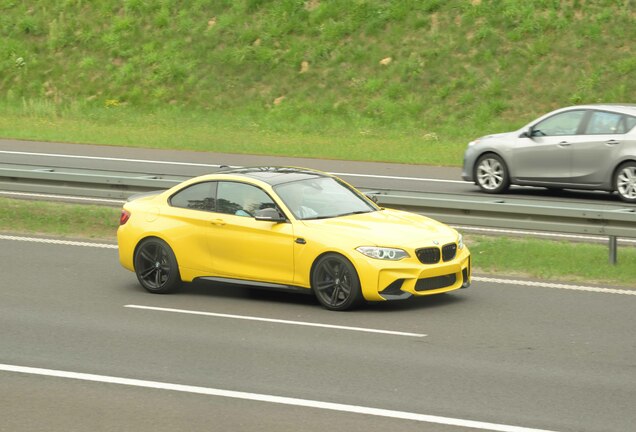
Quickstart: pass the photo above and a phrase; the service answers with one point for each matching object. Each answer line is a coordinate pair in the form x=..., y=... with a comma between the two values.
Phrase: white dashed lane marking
x=276, y=321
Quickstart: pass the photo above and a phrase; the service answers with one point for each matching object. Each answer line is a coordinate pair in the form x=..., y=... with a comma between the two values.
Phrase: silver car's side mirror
x=373, y=196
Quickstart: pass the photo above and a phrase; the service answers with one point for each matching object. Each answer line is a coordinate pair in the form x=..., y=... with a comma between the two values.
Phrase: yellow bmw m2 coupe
x=292, y=229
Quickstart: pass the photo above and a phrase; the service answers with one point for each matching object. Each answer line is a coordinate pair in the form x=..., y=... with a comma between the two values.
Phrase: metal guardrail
x=81, y=182
x=613, y=221
x=572, y=218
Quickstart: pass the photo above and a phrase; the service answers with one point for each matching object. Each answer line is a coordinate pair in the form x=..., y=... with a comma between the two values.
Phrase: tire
x=335, y=283
x=491, y=174
x=625, y=182
x=156, y=267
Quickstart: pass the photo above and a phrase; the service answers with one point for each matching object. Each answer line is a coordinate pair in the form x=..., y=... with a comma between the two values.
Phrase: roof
x=623, y=108
x=275, y=175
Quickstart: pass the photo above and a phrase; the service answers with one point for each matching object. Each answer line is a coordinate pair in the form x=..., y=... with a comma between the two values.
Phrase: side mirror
x=527, y=133
x=373, y=196
x=269, y=215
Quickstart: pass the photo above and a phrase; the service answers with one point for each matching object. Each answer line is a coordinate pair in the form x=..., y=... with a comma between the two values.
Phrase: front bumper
x=470, y=156
x=416, y=279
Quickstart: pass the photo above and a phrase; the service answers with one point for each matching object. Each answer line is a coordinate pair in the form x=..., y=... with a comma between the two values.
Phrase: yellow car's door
x=243, y=247
x=185, y=222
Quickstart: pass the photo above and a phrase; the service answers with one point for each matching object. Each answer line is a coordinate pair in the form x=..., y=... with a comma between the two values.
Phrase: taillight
x=123, y=218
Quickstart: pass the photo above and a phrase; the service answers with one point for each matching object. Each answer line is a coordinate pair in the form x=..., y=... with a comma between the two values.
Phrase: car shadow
x=225, y=290
x=574, y=194
x=416, y=303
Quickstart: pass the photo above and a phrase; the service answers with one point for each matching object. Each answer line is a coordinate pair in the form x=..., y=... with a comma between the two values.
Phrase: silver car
x=580, y=147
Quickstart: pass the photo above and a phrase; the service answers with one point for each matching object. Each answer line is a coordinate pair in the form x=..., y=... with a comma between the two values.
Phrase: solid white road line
x=432, y=180
x=67, y=156
x=213, y=165
x=58, y=241
x=277, y=321
x=308, y=403
x=62, y=197
x=554, y=285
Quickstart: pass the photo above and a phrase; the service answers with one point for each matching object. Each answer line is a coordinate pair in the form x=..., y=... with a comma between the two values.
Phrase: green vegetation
x=175, y=129
x=574, y=262
x=405, y=80
x=553, y=260
x=58, y=219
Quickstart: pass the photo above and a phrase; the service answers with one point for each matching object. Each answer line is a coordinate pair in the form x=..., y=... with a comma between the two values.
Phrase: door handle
x=612, y=142
x=219, y=222
x=564, y=144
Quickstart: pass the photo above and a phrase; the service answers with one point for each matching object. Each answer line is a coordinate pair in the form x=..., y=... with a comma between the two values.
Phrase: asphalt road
x=83, y=347
x=502, y=354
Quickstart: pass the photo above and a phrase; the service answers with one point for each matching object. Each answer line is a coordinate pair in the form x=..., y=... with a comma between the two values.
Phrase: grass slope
x=406, y=80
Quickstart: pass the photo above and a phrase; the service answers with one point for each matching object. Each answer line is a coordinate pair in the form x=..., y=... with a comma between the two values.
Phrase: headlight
x=383, y=253
x=460, y=242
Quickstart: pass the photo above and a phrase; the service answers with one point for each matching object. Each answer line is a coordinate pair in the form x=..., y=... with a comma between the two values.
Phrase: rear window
x=200, y=196
x=630, y=122
x=602, y=122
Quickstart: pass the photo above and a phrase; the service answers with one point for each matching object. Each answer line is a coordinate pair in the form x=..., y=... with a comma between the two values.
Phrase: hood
x=389, y=228
x=499, y=136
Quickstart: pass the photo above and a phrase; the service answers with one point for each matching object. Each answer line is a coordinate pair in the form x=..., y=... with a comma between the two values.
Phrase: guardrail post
x=612, y=250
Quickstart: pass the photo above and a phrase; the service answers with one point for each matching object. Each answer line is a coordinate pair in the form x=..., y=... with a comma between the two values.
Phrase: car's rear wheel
x=491, y=174
x=625, y=182
x=156, y=267
x=335, y=282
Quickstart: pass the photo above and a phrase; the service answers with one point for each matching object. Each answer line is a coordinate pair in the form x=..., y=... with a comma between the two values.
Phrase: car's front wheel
x=625, y=182
x=491, y=174
x=156, y=266
x=335, y=282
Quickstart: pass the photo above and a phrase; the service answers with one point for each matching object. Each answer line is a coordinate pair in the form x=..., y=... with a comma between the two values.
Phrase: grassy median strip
x=58, y=219
x=584, y=263
x=545, y=259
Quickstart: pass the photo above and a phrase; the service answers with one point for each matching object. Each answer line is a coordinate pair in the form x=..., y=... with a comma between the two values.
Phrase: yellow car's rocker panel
x=288, y=228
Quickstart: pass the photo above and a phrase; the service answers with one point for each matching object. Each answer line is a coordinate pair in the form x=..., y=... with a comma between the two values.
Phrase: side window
x=200, y=196
x=241, y=199
x=629, y=122
x=565, y=123
x=602, y=122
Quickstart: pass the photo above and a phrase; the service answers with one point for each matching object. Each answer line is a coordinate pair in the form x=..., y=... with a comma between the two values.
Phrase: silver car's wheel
x=491, y=174
x=625, y=182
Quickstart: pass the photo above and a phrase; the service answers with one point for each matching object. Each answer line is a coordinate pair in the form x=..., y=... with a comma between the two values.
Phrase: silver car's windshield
x=321, y=198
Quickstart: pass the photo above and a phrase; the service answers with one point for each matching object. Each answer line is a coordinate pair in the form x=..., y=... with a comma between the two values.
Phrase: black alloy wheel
x=156, y=267
x=335, y=283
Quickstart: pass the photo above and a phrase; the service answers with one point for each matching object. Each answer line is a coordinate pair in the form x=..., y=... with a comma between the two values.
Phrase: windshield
x=321, y=198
